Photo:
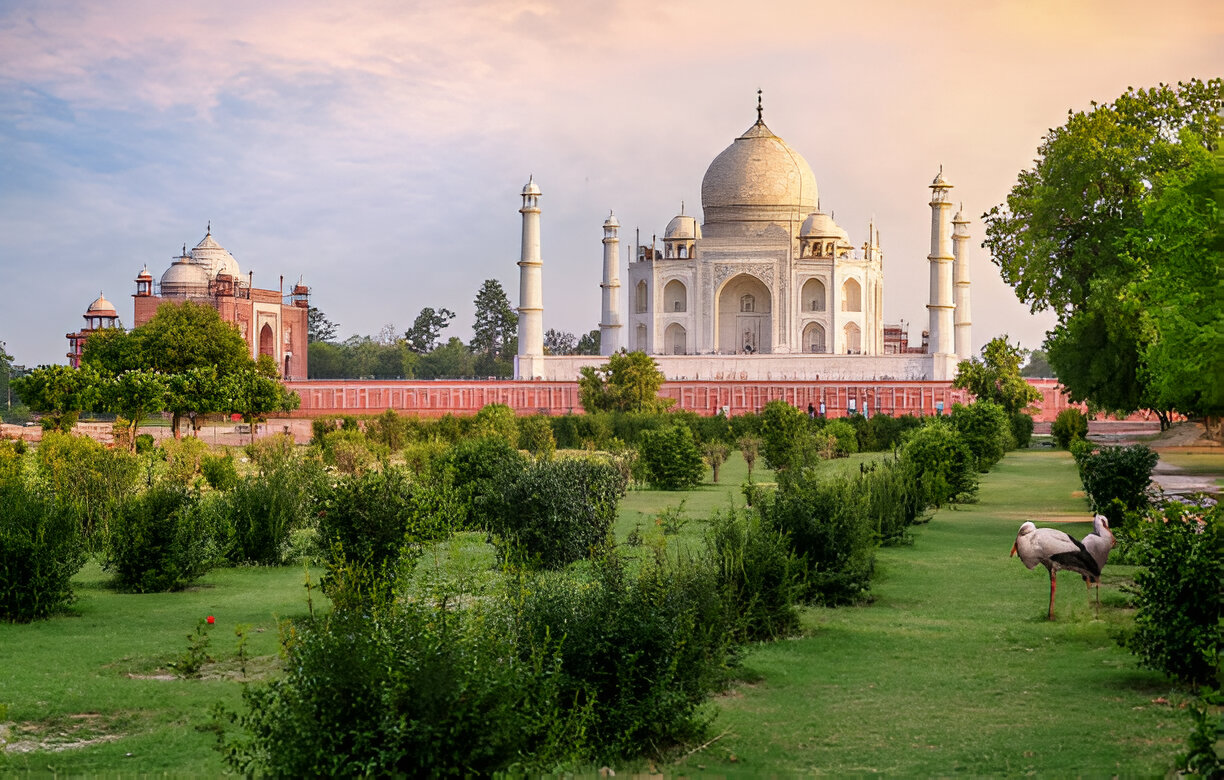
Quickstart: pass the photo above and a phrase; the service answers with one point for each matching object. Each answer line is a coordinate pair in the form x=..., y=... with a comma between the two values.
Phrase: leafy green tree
x=559, y=342
x=423, y=337
x=59, y=393
x=588, y=343
x=628, y=382
x=1070, y=236
x=451, y=361
x=1180, y=293
x=253, y=395
x=318, y=327
x=194, y=393
x=494, y=334
x=134, y=395
x=496, y=420
x=996, y=376
x=1038, y=365
x=178, y=337
x=782, y=425
x=670, y=458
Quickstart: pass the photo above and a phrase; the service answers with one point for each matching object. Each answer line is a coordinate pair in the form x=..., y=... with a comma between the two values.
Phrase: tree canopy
x=1077, y=232
x=996, y=376
x=495, y=332
x=423, y=336
x=179, y=337
x=628, y=382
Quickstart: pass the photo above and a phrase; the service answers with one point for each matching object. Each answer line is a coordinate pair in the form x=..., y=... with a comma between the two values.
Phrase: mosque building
x=271, y=322
x=767, y=286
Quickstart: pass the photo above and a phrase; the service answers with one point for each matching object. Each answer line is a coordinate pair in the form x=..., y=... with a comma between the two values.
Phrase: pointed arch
x=814, y=295
x=675, y=296
x=852, y=296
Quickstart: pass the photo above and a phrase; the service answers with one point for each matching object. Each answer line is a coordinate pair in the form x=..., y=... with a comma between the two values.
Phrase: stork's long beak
x=1013, y=552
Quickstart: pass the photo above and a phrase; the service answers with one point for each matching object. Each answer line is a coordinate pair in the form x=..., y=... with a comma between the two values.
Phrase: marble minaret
x=529, y=361
x=609, y=323
x=960, y=283
x=943, y=343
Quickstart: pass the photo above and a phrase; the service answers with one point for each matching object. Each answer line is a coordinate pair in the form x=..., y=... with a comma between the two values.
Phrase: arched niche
x=675, y=340
x=267, y=341
x=814, y=339
x=675, y=296
x=744, y=317
x=814, y=296
x=853, y=339
x=641, y=298
x=852, y=296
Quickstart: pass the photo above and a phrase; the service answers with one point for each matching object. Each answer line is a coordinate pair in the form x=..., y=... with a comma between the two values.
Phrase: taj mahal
x=766, y=287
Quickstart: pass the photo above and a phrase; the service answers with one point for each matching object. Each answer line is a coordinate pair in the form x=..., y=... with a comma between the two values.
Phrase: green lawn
x=953, y=668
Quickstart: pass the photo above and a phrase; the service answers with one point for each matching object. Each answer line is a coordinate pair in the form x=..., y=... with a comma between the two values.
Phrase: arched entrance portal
x=267, y=341
x=744, y=317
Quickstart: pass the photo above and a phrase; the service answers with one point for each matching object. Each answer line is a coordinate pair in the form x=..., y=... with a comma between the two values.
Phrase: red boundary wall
x=439, y=397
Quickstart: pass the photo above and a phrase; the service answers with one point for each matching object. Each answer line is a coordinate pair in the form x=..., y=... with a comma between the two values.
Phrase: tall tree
x=1066, y=237
x=628, y=382
x=423, y=336
x=589, y=343
x=318, y=327
x=996, y=376
x=59, y=393
x=494, y=333
x=252, y=394
x=1038, y=365
x=559, y=342
x=134, y=395
x=452, y=360
x=6, y=370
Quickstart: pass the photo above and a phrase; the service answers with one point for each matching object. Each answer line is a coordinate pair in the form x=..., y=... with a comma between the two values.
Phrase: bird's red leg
x=1053, y=585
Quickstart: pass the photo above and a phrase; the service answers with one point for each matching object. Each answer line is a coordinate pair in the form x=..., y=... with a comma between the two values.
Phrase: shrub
x=496, y=420
x=670, y=459
x=144, y=443
x=536, y=436
x=90, y=482
x=380, y=518
x=219, y=471
x=759, y=577
x=410, y=691
x=715, y=452
x=1069, y=425
x=1022, y=429
x=938, y=460
x=893, y=500
x=829, y=529
x=642, y=650
x=320, y=427
x=985, y=429
x=258, y=514
x=271, y=452
x=1116, y=479
x=781, y=427
x=40, y=550
x=158, y=543
x=348, y=450
x=478, y=468
x=183, y=459
x=1178, y=600
x=11, y=462
x=554, y=513
x=845, y=437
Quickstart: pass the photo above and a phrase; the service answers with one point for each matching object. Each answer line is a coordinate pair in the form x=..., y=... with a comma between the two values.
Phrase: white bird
x=1056, y=551
x=1098, y=544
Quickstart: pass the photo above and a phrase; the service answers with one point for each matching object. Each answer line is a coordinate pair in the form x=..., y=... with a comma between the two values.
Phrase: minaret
x=960, y=283
x=609, y=323
x=529, y=363
x=941, y=259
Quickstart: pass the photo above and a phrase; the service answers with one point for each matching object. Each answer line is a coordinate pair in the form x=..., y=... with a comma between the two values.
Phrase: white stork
x=1098, y=544
x=1056, y=551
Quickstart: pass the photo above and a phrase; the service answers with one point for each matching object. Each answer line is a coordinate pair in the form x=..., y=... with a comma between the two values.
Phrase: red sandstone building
x=271, y=322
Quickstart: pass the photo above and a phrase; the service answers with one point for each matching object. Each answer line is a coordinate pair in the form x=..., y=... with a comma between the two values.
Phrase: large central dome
x=758, y=178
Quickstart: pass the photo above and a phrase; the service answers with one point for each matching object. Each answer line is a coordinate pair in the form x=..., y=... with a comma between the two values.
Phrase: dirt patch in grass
x=67, y=732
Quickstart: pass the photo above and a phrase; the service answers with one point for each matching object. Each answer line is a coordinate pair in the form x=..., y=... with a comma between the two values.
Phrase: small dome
x=144, y=273
x=758, y=177
x=820, y=225
x=214, y=258
x=531, y=188
x=960, y=218
x=185, y=278
x=101, y=308
x=939, y=180
x=682, y=226
x=611, y=221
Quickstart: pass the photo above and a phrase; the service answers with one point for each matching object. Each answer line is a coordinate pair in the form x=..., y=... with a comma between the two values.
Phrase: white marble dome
x=214, y=258
x=758, y=178
x=101, y=307
x=682, y=226
x=184, y=278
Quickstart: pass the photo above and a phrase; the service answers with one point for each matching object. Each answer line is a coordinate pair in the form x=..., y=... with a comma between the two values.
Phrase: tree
x=59, y=393
x=252, y=395
x=589, y=343
x=134, y=395
x=494, y=333
x=1038, y=365
x=423, y=336
x=1179, y=293
x=670, y=458
x=996, y=377
x=6, y=370
x=1071, y=234
x=451, y=360
x=178, y=337
x=318, y=327
x=628, y=382
x=559, y=342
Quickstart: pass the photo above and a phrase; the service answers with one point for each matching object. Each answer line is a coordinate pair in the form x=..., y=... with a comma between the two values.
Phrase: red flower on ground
x=211, y=620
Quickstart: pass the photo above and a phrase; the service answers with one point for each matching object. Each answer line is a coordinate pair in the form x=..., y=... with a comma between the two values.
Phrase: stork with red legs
x=1056, y=551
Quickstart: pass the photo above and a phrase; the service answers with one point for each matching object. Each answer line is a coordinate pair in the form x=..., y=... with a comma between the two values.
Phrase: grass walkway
x=954, y=668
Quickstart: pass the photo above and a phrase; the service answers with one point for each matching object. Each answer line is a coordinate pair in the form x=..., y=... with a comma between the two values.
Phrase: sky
x=376, y=150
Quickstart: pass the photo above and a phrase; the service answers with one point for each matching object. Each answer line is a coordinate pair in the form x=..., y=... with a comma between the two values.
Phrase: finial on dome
x=760, y=110
x=682, y=208
x=208, y=230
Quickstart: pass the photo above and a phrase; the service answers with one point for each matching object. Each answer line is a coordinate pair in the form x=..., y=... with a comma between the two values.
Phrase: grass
x=953, y=668
x=1197, y=464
